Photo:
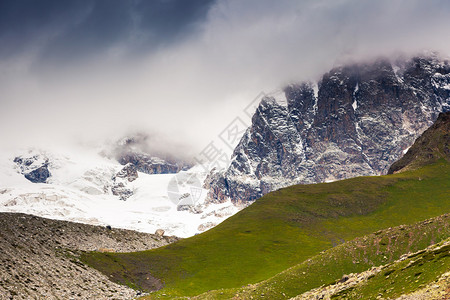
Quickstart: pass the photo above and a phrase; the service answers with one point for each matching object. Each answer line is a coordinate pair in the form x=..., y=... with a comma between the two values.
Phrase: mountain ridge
x=356, y=121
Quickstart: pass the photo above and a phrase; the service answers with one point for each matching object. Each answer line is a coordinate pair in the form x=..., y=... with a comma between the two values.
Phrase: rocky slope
x=432, y=145
x=356, y=121
x=39, y=258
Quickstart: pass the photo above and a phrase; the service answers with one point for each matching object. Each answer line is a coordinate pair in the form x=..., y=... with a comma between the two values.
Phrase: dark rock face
x=39, y=175
x=34, y=168
x=356, y=121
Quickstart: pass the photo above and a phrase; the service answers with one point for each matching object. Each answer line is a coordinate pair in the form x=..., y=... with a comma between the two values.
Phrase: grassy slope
x=354, y=256
x=282, y=229
x=404, y=277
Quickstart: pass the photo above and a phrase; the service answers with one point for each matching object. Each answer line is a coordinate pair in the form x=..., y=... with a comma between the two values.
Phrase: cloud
x=97, y=69
x=75, y=29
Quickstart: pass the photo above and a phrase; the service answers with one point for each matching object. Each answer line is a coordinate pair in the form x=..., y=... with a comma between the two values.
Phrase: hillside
x=284, y=228
x=420, y=275
x=432, y=145
x=39, y=258
x=336, y=270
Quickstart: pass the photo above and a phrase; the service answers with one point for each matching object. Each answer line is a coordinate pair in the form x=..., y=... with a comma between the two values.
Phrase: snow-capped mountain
x=83, y=186
x=356, y=121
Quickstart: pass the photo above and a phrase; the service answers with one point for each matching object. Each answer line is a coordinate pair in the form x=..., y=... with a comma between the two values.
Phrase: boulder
x=159, y=232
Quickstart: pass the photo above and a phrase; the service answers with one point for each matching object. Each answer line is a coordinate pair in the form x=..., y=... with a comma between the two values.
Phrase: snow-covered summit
x=80, y=188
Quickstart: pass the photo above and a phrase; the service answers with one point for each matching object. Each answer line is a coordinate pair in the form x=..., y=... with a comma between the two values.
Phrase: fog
x=181, y=73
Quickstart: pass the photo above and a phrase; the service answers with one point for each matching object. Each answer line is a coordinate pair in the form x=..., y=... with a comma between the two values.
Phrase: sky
x=88, y=70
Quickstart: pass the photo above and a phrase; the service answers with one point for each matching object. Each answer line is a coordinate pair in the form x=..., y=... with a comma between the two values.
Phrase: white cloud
x=188, y=91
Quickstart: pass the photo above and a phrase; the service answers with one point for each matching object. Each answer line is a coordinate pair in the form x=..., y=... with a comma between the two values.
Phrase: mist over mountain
x=86, y=71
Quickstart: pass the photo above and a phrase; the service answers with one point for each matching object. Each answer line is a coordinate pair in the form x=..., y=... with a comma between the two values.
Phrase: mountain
x=84, y=184
x=289, y=230
x=356, y=121
x=291, y=241
x=296, y=241
x=432, y=145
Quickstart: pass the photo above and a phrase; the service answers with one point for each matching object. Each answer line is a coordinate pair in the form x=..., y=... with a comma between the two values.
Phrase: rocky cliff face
x=356, y=121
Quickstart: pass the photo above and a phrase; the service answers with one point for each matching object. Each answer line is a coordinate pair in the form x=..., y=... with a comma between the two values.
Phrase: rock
x=432, y=145
x=137, y=150
x=183, y=207
x=355, y=122
x=134, y=150
x=344, y=279
x=119, y=189
x=34, y=168
x=119, y=186
x=190, y=208
x=106, y=250
x=128, y=172
x=206, y=226
x=159, y=232
x=40, y=175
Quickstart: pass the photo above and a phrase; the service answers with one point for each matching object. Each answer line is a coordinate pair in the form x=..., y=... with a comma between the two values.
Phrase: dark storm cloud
x=62, y=31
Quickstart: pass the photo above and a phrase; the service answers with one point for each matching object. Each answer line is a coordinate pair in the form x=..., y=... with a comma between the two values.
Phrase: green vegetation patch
x=283, y=229
x=354, y=256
